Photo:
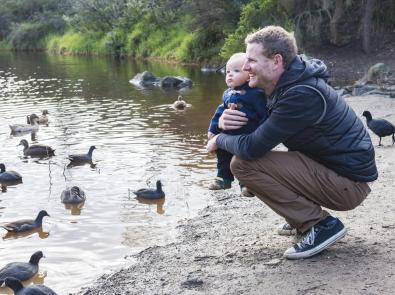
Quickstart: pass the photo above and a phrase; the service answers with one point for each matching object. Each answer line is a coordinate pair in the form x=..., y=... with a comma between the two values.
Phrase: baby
x=251, y=101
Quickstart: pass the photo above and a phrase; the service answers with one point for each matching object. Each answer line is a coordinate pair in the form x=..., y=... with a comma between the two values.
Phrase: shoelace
x=309, y=237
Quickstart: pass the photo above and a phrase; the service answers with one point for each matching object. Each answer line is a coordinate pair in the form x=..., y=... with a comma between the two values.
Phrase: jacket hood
x=302, y=69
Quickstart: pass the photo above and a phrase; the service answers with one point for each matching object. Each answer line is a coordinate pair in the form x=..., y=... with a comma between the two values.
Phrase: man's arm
x=292, y=114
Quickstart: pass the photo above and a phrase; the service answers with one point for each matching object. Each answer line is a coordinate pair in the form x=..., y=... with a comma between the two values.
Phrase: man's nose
x=246, y=67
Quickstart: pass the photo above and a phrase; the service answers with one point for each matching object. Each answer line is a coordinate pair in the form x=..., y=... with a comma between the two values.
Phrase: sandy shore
x=232, y=246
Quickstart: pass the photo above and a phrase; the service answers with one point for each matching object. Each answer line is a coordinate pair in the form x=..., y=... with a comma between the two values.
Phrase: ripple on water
x=139, y=139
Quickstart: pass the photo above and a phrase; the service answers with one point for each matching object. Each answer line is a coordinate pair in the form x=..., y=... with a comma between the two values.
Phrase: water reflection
x=5, y=184
x=158, y=203
x=39, y=231
x=140, y=137
x=75, y=209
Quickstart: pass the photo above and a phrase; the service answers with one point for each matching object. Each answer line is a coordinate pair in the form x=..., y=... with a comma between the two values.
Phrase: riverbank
x=232, y=246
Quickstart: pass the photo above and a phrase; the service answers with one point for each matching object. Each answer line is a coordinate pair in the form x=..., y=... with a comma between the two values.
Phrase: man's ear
x=278, y=60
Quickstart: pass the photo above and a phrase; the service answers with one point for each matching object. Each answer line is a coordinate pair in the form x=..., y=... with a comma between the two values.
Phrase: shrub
x=255, y=15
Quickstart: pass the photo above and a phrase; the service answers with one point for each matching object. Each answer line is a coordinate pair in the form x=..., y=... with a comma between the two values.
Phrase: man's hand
x=232, y=119
x=210, y=135
x=211, y=146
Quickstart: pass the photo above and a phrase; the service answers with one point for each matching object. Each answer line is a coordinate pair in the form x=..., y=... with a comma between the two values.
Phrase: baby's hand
x=232, y=106
x=210, y=135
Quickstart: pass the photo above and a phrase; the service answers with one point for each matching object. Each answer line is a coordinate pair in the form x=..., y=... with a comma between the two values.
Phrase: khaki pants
x=296, y=187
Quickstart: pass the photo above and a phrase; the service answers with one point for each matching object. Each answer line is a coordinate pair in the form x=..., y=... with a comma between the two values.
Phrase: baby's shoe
x=220, y=183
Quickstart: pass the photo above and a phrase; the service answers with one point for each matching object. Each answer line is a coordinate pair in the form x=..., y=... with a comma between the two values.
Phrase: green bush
x=77, y=43
x=171, y=42
x=255, y=15
x=27, y=36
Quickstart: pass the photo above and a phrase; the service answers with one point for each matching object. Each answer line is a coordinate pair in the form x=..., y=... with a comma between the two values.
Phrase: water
x=139, y=139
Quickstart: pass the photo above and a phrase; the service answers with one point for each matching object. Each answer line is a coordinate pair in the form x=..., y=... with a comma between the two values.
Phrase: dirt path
x=232, y=246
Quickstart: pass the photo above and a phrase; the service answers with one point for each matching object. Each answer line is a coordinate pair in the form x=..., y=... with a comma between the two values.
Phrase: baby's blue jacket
x=252, y=103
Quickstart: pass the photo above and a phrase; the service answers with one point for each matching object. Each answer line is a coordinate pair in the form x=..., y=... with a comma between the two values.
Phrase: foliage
x=384, y=15
x=255, y=15
x=25, y=22
x=99, y=15
x=170, y=42
x=185, y=30
x=77, y=43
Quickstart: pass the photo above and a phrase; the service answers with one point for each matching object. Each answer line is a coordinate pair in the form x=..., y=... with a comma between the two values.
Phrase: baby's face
x=235, y=76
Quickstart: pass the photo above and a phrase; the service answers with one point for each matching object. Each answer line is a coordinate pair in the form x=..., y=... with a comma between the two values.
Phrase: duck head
x=35, y=259
x=91, y=149
x=41, y=215
x=33, y=119
x=367, y=115
x=24, y=143
x=159, y=186
x=2, y=168
x=45, y=112
x=75, y=190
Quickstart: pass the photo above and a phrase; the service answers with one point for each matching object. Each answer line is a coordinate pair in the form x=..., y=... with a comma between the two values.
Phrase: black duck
x=36, y=150
x=25, y=224
x=21, y=270
x=9, y=176
x=19, y=289
x=380, y=127
x=149, y=193
x=82, y=158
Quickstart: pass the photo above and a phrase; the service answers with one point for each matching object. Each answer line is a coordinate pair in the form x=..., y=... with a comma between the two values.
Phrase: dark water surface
x=139, y=139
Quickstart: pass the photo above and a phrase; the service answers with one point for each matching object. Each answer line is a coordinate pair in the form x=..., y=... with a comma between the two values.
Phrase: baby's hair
x=237, y=55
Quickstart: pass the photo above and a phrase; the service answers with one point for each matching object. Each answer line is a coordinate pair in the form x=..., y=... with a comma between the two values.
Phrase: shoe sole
x=286, y=232
x=329, y=242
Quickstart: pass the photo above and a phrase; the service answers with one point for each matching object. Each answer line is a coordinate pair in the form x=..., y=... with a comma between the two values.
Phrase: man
x=330, y=158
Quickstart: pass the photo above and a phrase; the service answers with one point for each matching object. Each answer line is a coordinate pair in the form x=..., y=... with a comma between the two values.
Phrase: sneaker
x=286, y=229
x=319, y=237
x=246, y=193
x=219, y=184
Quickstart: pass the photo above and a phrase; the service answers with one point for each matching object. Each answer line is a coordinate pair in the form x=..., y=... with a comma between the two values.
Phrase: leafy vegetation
x=181, y=30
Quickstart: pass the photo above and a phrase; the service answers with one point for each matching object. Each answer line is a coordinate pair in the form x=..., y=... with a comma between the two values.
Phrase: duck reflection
x=33, y=134
x=12, y=235
x=5, y=184
x=158, y=202
x=75, y=209
x=74, y=164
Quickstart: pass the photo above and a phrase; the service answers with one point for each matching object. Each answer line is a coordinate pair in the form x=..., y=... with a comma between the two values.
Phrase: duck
x=9, y=176
x=21, y=270
x=380, y=127
x=33, y=126
x=82, y=158
x=19, y=289
x=25, y=224
x=36, y=150
x=42, y=119
x=180, y=104
x=73, y=195
x=148, y=193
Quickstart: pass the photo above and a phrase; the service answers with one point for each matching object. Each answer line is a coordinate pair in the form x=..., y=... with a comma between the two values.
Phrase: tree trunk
x=367, y=25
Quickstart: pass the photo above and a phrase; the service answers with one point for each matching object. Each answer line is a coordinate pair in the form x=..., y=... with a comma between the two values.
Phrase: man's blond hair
x=275, y=40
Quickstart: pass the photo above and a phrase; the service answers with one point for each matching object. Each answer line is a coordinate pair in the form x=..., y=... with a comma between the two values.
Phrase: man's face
x=260, y=68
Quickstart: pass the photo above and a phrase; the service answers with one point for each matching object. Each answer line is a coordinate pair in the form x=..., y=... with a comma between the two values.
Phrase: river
x=139, y=139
